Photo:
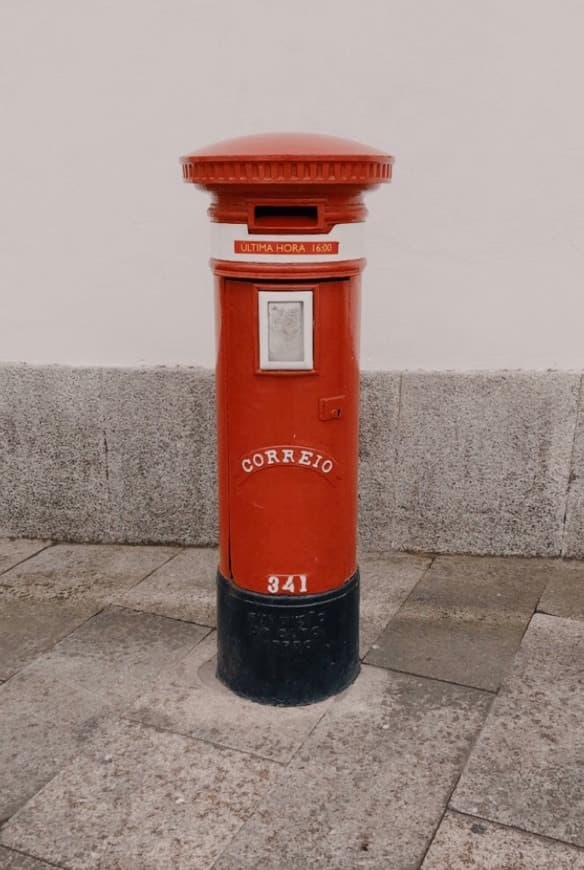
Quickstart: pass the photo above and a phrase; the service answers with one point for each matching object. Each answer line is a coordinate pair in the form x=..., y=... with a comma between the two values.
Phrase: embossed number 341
x=291, y=583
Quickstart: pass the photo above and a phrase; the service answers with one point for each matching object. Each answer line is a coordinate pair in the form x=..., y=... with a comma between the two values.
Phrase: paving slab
x=386, y=581
x=10, y=860
x=28, y=628
x=183, y=588
x=464, y=620
x=118, y=653
x=368, y=787
x=466, y=842
x=526, y=768
x=43, y=723
x=564, y=593
x=140, y=798
x=190, y=700
x=484, y=461
x=71, y=572
x=48, y=596
x=16, y=550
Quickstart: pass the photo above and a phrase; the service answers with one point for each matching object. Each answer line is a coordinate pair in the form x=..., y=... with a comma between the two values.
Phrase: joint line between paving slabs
x=163, y=616
x=154, y=570
x=105, y=605
x=26, y=558
x=544, y=837
x=524, y=632
x=407, y=598
x=310, y=732
x=571, y=479
x=221, y=746
x=52, y=647
x=411, y=592
x=227, y=845
x=284, y=765
x=43, y=860
x=457, y=780
x=491, y=692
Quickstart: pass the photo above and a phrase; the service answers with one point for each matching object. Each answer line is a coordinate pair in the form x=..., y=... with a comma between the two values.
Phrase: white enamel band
x=234, y=242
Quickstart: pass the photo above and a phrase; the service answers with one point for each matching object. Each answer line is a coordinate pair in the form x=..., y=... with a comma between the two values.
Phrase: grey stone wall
x=108, y=454
x=450, y=462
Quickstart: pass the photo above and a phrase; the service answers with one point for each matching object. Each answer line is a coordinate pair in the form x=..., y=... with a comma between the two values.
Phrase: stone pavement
x=460, y=745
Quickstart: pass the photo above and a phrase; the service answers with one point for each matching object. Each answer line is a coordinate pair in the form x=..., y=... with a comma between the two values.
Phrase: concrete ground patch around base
x=190, y=700
x=469, y=462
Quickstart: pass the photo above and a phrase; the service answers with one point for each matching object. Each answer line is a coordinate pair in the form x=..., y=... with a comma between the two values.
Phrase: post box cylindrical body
x=287, y=215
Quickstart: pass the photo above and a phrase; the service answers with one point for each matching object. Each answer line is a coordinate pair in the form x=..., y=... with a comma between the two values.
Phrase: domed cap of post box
x=287, y=159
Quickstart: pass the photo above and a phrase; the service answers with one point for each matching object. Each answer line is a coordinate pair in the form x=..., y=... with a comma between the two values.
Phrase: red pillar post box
x=287, y=214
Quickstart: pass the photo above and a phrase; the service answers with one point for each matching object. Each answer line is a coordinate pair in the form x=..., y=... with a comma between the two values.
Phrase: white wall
x=475, y=251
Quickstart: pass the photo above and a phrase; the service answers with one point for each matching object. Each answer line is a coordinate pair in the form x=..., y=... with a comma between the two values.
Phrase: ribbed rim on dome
x=285, y=170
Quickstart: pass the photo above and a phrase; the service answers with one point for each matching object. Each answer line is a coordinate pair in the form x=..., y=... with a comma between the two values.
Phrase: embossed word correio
x=302, y=457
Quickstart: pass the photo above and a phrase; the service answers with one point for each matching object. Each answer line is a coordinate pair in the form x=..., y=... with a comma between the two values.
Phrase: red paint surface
x=288, y=520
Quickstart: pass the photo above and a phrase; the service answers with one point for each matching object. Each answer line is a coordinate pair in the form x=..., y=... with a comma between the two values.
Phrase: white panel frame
x=304, y=296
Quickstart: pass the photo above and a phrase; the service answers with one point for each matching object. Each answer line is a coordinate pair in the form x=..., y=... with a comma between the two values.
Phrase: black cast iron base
x=287, y=650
